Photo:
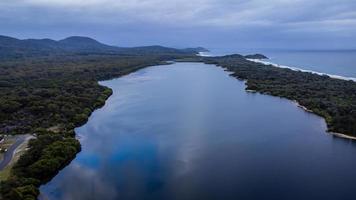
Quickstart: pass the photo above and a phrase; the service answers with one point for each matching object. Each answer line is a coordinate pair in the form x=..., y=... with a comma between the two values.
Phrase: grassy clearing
x=4, y=174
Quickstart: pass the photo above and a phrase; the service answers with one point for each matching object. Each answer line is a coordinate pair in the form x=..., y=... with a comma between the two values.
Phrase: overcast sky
x=292, y=24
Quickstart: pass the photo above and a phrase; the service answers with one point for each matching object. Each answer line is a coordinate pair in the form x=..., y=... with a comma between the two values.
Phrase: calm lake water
x=336, y=62
x=190, y=131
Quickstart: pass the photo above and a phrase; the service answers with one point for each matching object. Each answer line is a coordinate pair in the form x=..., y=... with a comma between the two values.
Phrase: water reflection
x=189, y=131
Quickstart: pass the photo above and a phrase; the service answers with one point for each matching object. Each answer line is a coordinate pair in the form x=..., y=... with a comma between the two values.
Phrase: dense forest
x=47, y=88
x=48, y=95
x=333, y=99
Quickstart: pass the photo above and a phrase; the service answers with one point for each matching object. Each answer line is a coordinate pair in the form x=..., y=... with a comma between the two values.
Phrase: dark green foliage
x=53, y=91
x=333, y=99
x=256, y=56
x=54, y=157
x=26, y=192
x=49, y=153
x=51, y=95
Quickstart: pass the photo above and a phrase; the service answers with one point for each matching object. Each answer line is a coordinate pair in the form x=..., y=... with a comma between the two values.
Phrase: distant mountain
x=76, y=43
x=11, y=47
x=41, y=47
x=78, y=40
x=156, y=49
x=234, y=56
x=15, y=48
x=256, y=56
x=239, y=56
x=197, y=49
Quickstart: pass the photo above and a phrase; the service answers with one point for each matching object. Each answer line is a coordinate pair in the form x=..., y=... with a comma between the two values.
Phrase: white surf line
x=303, y=70
x=204, y=54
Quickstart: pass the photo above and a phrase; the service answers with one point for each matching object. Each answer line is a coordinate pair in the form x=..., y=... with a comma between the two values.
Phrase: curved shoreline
x=302, y=70
x=335, y=134
x=262, y=61
x=339, y=135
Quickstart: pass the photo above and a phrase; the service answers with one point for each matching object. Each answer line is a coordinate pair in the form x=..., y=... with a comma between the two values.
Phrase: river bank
x=78, y=104
x=310, y=90
x=165, y=129
x=232, y=72
x=233, y=63
x=340, y=135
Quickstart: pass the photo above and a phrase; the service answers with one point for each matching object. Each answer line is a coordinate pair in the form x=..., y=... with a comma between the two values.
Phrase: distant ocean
x=341, y=63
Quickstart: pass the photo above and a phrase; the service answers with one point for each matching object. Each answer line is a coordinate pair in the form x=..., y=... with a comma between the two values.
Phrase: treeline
x=49, y=97
x=56, y=91
x=333, y=99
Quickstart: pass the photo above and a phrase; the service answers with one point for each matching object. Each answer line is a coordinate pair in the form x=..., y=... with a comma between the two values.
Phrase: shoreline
x=262, y=61
x=302, y=107
x=70, y=138
x=99, y=107
x=340, y=135
x=295, y=102
x=303, y=70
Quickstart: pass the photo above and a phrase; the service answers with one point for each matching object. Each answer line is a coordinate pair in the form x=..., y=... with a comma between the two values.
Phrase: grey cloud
x=184, y=22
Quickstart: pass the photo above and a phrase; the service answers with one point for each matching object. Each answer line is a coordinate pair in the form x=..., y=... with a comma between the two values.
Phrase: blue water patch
x=190, y=131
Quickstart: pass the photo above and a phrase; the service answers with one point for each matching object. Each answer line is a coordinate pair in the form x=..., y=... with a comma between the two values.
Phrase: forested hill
x=12, y=48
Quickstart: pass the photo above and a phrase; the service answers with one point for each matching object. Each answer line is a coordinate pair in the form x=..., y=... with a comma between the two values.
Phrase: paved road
x=11, y=151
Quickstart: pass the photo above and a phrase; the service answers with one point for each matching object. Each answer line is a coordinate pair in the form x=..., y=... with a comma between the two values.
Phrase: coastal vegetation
x=333, y=99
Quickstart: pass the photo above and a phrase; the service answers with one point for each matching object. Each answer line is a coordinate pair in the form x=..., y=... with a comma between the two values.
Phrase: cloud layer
x=235, y=20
